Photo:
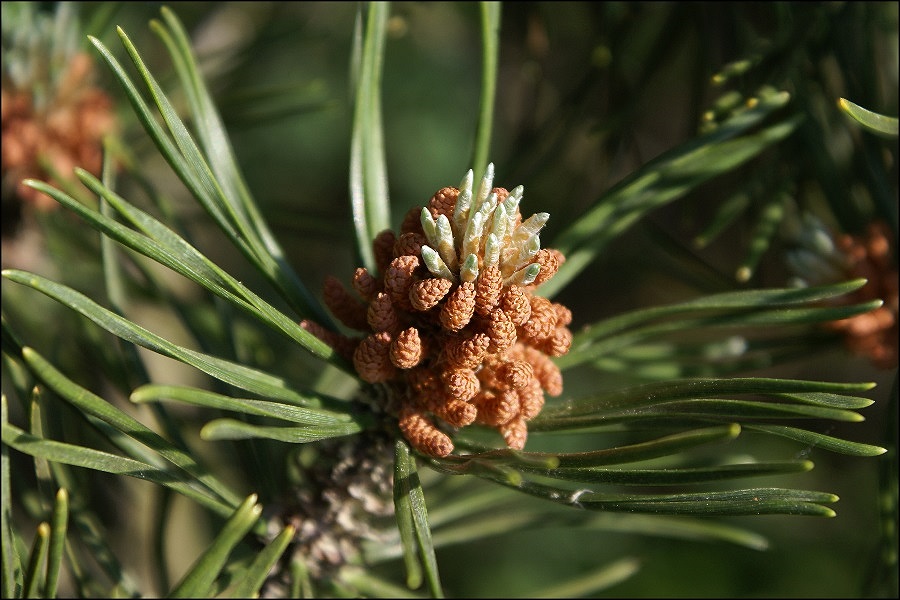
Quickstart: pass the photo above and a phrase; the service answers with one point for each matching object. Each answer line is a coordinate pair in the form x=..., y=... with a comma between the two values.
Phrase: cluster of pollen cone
x=872, y=334
x=452, y=326
x=65, y=131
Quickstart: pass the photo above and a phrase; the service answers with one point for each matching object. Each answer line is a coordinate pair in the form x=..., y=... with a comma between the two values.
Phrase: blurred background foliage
x=587, y=93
